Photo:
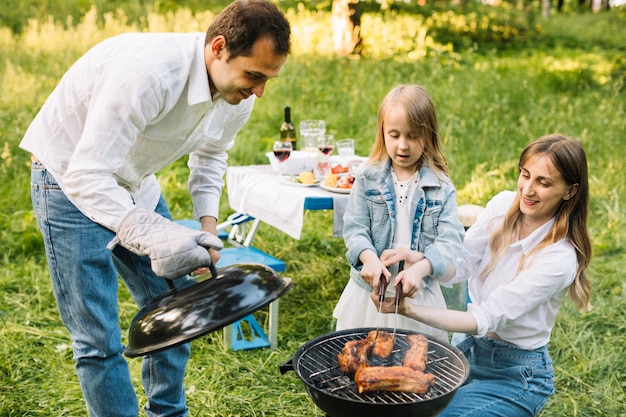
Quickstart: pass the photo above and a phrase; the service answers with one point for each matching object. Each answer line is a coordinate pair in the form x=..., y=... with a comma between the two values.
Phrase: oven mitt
x=174, y=250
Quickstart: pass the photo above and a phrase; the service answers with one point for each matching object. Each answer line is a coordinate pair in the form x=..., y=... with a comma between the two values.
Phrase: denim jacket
x=370, y=218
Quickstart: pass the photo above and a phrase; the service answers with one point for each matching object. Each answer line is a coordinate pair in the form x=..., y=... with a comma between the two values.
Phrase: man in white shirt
x=129, y=107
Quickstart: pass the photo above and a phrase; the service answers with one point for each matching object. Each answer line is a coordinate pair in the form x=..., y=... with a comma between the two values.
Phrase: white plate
x=336, y=189
x=287, y=179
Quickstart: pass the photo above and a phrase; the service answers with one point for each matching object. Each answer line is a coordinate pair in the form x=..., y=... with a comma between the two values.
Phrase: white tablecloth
x=258, y=191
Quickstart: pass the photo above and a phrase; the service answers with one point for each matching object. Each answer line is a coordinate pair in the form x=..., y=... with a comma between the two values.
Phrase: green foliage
x=490, y=105
x=15, y=14
x=605, y=30
x=483, y=28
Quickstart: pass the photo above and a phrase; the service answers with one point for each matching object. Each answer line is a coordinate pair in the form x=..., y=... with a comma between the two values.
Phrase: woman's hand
x=394, y=256
x=389, y=304
x=441, y=318
x=411, y=278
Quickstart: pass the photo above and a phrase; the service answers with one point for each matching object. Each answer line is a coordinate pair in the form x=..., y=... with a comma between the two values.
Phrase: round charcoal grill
x=336, y=393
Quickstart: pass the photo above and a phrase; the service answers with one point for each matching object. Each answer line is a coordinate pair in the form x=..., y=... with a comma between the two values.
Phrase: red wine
x=326, y=149
x=282, y=154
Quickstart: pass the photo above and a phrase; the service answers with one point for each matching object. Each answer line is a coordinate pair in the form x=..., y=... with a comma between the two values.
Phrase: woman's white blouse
x=520, y=306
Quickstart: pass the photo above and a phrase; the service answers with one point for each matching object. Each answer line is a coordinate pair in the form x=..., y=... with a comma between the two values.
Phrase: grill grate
x=319, y=368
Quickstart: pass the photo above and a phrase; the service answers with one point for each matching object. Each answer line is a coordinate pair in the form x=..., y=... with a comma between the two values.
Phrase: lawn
x=493, y=98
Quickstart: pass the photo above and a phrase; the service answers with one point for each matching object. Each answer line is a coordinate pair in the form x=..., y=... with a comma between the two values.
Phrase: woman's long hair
x=422, y=117
x=568, y=157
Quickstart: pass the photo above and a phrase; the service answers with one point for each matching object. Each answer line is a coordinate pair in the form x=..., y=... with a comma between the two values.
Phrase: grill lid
x=207, y=304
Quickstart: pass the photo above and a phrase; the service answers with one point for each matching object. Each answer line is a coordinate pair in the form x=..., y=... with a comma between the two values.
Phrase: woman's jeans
x=85, y=283
x=504, y=380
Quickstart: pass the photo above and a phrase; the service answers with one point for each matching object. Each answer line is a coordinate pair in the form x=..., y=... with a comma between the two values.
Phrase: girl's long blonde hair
x=568, y=157
x=422, y=117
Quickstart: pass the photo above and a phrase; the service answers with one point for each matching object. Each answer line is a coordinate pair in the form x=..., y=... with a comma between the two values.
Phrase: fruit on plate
x=331, y=180
x=339, y=169
x=306, y=177
x=345, y=181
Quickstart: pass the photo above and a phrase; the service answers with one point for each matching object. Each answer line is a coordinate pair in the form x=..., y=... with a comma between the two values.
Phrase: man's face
x=242, y=76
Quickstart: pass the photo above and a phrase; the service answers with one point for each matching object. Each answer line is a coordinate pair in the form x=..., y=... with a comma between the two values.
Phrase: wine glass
x=326, y=145
x=282, y=150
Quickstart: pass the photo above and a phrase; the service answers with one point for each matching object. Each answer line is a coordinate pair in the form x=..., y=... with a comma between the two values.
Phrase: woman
x=526, y=250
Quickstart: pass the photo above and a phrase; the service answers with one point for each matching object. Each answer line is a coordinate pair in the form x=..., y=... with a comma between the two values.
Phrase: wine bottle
x=287, y=129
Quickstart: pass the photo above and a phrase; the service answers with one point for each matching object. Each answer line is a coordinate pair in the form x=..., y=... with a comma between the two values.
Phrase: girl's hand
x=372, y=270
x=393, y=256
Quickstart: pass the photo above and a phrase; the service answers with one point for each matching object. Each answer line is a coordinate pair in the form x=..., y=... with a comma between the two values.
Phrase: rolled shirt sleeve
x=207, y=165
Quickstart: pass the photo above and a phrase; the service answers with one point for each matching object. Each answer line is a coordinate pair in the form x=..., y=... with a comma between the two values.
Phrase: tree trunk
x=346, y=26
x=545, y=8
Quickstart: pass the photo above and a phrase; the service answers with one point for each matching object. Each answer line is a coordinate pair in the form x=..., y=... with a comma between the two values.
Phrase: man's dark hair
x=243, y=22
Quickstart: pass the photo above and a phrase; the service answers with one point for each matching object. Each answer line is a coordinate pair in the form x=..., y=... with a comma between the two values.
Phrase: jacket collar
x=380, y=172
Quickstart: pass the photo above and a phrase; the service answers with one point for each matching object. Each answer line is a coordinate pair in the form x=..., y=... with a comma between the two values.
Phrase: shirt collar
x=199, y=90
x=533, y=239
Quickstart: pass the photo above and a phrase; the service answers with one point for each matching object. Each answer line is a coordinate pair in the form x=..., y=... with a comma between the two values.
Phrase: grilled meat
x=355, y=352
x=392, y=378
x=407, y=378
x=417, y=354
x=354, y=355
x=382, y=345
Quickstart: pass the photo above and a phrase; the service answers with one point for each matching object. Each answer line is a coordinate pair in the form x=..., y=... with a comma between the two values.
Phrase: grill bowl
x=335, y=392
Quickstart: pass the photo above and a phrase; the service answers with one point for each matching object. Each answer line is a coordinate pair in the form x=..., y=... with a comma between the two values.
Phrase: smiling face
x=403, y=146
x=240, y=77
x=541, y=190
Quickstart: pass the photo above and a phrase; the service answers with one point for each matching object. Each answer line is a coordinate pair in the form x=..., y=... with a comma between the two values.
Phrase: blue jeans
x=85, y=283
x=504, y=380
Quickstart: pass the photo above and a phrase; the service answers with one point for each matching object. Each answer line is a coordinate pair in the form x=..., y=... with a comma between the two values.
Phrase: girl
x=526, y=250
x=402, y=200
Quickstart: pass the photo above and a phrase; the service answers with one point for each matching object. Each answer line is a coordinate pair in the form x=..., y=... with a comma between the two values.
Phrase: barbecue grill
x=335, y=392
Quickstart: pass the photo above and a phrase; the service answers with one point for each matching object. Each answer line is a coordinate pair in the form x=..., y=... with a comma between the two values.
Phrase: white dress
x=355, y=308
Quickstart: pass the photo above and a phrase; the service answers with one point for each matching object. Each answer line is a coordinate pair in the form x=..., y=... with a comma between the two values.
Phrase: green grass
x=491, y=103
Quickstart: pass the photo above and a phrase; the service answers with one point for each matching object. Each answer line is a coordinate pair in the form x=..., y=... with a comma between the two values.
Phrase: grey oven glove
x=174, y=250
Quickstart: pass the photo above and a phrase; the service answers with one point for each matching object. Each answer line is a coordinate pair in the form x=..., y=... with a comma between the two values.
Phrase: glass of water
x=310, y=131
x=345, y=148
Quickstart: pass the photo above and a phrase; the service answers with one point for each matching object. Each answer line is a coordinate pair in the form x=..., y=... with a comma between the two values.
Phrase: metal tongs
x=382, y=287
x=397, y=300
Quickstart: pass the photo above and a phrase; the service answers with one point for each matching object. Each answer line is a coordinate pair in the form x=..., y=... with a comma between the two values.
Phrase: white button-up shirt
x=520, y=306
x=129, y=107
